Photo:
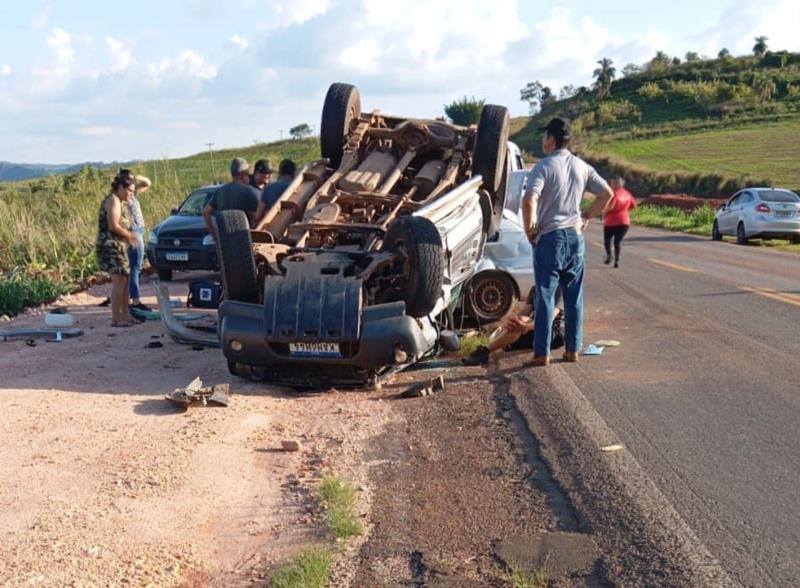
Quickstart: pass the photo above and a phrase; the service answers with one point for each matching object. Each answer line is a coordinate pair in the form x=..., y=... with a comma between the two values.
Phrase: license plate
x=784, y=213
x=177, y=256
x=314, y=349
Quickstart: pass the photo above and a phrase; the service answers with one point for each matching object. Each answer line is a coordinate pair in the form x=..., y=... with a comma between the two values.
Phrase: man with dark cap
x=274, y=190
x=262, y=174
x=552, y=219
x=238, y=194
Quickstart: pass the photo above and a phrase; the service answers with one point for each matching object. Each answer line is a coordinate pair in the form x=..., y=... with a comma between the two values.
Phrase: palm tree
x=761, y=46
x=604, y=76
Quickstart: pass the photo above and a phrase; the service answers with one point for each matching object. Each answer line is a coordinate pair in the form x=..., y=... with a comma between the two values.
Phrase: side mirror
x=174, y=211
x=722, y=207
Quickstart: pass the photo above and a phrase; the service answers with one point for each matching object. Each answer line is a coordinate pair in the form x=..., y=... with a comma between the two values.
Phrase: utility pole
x=256, y=141
x=281, y=134
x=211, y=152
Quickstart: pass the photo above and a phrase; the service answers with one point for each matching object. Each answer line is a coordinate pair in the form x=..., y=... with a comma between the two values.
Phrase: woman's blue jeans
x=136, y=259
x=558, y=261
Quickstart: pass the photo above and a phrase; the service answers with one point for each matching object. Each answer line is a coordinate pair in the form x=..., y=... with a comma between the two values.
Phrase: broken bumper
x=386, y=339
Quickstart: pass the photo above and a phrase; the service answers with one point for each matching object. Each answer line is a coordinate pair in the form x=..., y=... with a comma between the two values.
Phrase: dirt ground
x=105, y=483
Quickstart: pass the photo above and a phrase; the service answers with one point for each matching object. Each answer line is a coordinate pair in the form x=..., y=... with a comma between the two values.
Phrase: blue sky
x=90, y=80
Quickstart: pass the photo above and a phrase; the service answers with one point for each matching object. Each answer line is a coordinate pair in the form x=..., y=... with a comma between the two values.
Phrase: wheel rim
x=491, y=298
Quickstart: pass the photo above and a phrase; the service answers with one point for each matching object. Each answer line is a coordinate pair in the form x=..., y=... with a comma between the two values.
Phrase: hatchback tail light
x=762, y=208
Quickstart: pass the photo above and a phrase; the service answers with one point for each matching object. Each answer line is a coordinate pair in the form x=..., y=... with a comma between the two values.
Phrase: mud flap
x=175, y=330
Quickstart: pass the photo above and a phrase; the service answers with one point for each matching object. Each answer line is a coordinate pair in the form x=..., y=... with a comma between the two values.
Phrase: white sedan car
x=764, y=213
x=505, y=273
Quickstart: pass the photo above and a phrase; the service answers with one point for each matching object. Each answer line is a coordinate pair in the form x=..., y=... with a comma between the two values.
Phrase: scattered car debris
x=433, y=386
x=196, y=392
x=593, y=350
x=12, y=334
x=610, y=448
x=607, y=343
x=154, y=345
x=179, y=333
x=291, y=445
x=58, y=319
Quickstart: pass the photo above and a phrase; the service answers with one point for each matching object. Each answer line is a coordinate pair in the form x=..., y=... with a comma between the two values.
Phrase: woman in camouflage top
x=113, y=237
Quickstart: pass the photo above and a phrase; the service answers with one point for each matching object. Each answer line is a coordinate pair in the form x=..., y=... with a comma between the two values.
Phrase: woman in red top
x=616, y=219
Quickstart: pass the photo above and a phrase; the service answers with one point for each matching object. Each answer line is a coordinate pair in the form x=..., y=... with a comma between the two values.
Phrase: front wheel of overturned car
x=236, y=259
x=491, y=296
x=489, y=156
x=342, y=106
x=165, y=275
x=418, y=241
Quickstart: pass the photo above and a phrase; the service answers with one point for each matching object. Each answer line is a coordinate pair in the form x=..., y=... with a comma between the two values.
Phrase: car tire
x=342, y=105
x=489, y=155
x=715, y=234
x=165, y=275
x=741, y=234
x=418, y=239
x=236, y=259
x=491, y=296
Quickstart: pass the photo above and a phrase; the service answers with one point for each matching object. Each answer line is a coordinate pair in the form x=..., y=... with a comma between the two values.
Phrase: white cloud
x=96, y=131
x=238, y=42
x=121, y=55
x=42, y=17
x=60, y=43
x=299, y=11
x=5, y=70
x=187, y=64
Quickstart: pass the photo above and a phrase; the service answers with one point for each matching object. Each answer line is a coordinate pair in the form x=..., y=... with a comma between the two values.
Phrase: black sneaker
x=478, y=357
x=616, y=263
x=106, y=302
x=607, y=259
x=141, y=306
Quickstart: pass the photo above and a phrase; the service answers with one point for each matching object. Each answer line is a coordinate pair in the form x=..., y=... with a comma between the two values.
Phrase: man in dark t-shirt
x=235, y=195
x=275, y=190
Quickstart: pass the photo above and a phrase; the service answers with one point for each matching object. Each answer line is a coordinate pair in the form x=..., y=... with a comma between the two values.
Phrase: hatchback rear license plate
x=177, y=256
x=788, y=213
x=315, y=349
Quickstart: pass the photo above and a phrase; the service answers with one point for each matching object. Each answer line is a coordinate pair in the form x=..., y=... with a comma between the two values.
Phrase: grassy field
x=762, y=151
x=50, y=224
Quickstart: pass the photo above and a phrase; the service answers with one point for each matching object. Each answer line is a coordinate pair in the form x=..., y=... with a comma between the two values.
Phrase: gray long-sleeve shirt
x=559, y=181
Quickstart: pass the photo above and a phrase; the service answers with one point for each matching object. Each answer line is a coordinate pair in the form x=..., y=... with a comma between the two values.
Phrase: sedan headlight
x=153, y=238
x=209, y=240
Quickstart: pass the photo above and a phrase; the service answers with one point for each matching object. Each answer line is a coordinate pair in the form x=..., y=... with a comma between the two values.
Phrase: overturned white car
x=356, y=269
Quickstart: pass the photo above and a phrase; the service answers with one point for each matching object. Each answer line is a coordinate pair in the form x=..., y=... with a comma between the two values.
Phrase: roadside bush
x=19, y=291
x=650, y=91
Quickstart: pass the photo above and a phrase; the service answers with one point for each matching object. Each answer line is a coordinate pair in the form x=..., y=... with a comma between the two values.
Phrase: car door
x=725, y=219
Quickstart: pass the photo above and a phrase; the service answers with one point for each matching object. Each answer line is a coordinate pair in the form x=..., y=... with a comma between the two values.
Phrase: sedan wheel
x=492, y=295
x=715, y=234
x=741, y=235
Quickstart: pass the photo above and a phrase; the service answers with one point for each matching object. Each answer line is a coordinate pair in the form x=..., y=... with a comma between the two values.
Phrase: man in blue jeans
x=551, y=215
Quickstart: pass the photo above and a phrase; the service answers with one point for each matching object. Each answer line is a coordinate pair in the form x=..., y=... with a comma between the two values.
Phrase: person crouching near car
x=516, y=333
x=552, y=220
x=114, y=236
x=136, y=253
x=616, y=219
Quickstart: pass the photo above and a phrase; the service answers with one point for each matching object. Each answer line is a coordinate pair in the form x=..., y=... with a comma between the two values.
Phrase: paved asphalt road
x=705, y=389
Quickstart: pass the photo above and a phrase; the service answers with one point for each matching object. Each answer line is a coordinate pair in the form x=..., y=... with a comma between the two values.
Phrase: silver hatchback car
x=764, y=213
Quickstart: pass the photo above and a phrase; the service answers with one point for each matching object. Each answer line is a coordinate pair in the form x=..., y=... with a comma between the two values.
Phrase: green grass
x=20, y=290
x=519, y=577
x=338, y=499
x=311, y=568
x=697, y=222
x=470, y=344
x=762, y=151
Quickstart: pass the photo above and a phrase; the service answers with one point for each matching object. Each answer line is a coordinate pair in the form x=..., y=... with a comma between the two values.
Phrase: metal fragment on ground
x=195, y=392
x=434, y=386
x=614, y=447
x=11, y=334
